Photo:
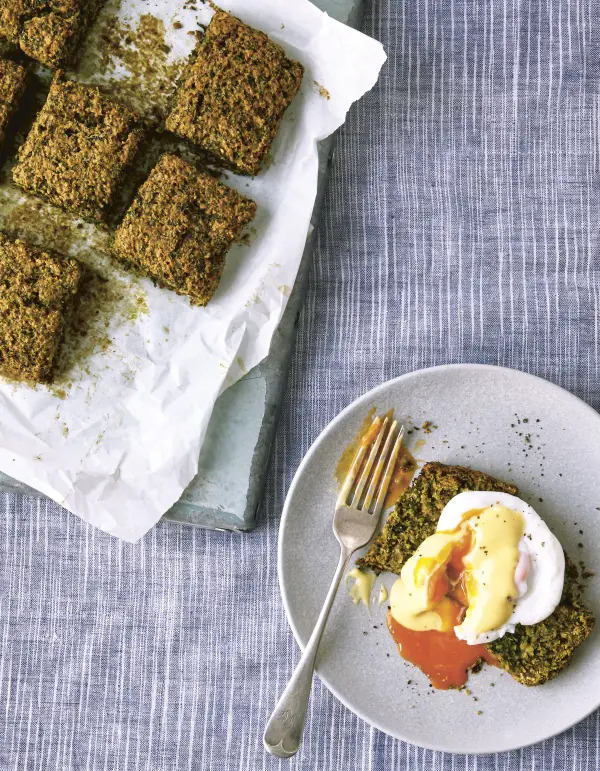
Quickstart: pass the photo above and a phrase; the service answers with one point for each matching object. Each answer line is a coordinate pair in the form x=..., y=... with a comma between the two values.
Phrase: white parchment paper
x=119, y=447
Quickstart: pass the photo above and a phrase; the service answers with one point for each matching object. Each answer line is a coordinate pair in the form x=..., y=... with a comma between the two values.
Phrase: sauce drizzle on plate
x=404, y=469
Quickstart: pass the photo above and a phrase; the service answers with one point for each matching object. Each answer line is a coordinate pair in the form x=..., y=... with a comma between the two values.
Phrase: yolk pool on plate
x=444, y=658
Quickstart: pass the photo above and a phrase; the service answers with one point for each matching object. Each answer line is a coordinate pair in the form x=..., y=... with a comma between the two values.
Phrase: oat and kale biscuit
x=180, y=227
x=532, y=654
x=49, y=31
x=12, y=85
x=78, y=149
x=233, y=94
x=37, y=292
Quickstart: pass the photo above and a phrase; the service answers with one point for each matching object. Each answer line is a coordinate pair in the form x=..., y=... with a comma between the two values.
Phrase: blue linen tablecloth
x=461, y=224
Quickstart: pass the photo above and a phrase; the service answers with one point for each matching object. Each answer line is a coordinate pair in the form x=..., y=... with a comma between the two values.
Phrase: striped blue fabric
x=461, y=224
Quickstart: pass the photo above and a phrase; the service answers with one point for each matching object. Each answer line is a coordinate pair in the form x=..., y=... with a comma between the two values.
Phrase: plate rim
x=368, y=395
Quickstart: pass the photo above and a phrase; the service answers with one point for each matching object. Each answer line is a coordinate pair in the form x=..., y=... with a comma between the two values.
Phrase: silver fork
x=354, y=522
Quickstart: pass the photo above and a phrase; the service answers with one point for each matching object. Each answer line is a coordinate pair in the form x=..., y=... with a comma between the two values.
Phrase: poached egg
x=492, y=563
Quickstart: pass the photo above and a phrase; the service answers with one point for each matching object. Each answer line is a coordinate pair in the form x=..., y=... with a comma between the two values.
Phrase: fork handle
x=285, y=727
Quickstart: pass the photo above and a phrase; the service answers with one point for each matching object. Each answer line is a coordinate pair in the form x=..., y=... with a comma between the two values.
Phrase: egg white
x=540, y=591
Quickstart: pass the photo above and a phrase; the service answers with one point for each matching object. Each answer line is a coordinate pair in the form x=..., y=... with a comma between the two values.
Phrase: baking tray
x=226, y=492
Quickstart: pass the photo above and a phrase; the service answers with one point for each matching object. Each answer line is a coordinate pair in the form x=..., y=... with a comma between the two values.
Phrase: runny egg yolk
x=440, y=655
x=458, y=585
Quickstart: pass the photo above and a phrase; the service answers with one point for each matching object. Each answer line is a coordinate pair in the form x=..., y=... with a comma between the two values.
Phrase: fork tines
x=376, y=471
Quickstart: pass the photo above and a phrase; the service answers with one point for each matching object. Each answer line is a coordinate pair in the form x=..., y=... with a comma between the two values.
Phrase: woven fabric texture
x=461, y=224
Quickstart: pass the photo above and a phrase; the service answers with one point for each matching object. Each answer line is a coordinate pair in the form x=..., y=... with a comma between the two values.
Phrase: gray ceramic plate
x=552, y=454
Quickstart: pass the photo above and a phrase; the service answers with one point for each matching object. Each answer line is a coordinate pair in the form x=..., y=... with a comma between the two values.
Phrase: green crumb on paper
x=138, y=308
x=135, y=61
x=322, y=91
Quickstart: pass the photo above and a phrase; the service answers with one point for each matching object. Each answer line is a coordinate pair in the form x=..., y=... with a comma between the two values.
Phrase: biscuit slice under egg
x=531, y=654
